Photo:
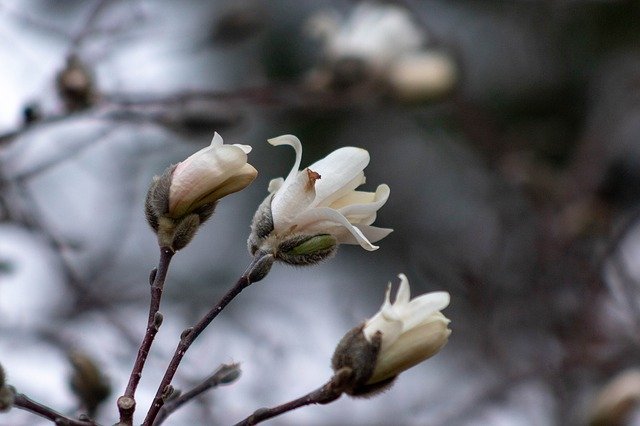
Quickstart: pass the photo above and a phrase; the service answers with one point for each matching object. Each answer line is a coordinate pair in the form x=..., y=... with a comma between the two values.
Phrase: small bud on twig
x=152, y=276
x=260, y=267
x=185, y=333
x=167, y=392
x=228, y=373
x=157, y=319
x=87, y=382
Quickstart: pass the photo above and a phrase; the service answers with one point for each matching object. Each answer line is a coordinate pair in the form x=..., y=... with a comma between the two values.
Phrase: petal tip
x=217, y=139
x=285, y=140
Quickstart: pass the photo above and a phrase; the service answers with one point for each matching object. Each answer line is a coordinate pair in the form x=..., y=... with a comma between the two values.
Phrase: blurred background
x=509, y=133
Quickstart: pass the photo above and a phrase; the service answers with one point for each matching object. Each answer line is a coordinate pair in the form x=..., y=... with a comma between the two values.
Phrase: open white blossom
x=376, y=33
x=322, y=199
x=411, y=330
x=208, y=175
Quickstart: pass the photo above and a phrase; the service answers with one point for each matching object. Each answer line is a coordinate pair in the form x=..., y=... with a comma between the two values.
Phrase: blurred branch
x=25, y=403
x=83, y=292
x=225, y=374
x=89, y=22
x=34, y=22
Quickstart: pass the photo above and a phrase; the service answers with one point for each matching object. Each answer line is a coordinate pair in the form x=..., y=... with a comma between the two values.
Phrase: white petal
x=297, y=146
x=294, y=197
x=404, y=292
x=325, y=216
x=411, y=348
x=240, y=180
x=346, y=189
x=386, y=321
x=372, y=233
x=361, y=208
x=423, y=308
x=275, y=184
x=217, y=140
x=338, y=169
x=201, y=174
x=245, y=148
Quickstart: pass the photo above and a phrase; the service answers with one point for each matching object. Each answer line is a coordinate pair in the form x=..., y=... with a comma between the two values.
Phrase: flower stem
x=126, y=403
x=254, y=272
x=325, y=394
x=25, y=403
x=220, y=376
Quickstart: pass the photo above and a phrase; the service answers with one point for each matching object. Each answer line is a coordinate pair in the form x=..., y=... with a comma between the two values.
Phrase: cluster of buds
x=301, y=222
x=380, y=44
x=185, y=195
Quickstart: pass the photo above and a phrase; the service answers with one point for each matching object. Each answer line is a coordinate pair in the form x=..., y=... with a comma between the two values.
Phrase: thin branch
x=158, y=277
x=325, y=394
x=254, y=272
x=88, y=24
x=225, y=374
x=25, y=403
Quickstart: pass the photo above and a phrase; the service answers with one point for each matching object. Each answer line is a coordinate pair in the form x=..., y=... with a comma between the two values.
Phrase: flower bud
x=307, y=250
x=357, y=355
x=228, y=373
x=7, y=398
x=260, y=267
x=395, y=339
x=87, y=381
x=185, y=195
x=76, y=85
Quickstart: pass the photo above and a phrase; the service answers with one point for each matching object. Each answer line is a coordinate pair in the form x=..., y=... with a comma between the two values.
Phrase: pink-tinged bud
x=185, y=195
x=208, y=175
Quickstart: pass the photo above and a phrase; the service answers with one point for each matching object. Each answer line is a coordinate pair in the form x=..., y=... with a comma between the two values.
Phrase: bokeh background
x=509, y=133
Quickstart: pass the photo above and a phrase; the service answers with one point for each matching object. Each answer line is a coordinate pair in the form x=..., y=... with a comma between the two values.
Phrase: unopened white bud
x=399, y=336
x=185, y=196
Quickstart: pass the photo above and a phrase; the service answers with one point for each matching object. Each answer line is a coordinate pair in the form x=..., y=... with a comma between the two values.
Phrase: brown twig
x=325, y=394
x=255, y=272
x=25, y=403
x=157, y=279
x=225, y=374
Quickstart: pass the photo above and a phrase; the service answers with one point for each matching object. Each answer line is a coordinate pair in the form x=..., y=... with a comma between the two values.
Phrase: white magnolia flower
x=411, y=330
x=322, y=199
x=376, y=33
x=208, y=175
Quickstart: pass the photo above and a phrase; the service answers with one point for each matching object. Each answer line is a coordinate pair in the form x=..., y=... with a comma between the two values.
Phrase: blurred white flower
x=423, y=75
x=376, y=33
x=410, y=330
x=322, y=199
x=617, y=401
x=208, y=175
